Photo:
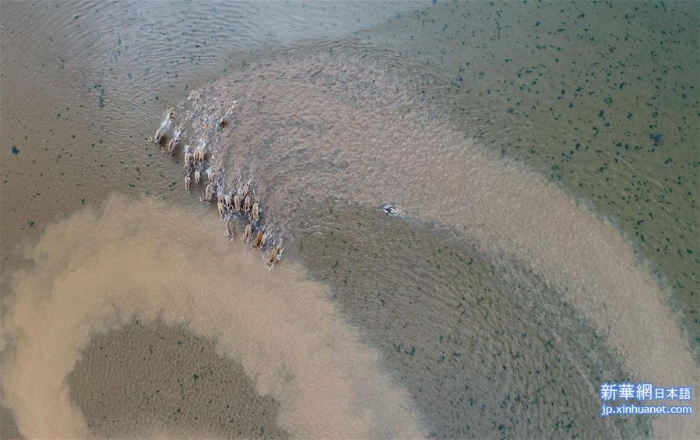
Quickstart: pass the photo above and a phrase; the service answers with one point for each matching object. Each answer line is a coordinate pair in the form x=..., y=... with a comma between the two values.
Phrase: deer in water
x=160, y=133
x=246, y=189
x=260, y=239
x=230, y=229
x=198, y=155
x=158, y=138
x=208, y=193
x=220, y=206
x=275, y=254
x=175, y=140
x=247, y=233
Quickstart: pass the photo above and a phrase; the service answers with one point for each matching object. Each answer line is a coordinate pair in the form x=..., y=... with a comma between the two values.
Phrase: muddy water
x=86, y=91
x=601, y=99
x=287, y=336
x=331, y=126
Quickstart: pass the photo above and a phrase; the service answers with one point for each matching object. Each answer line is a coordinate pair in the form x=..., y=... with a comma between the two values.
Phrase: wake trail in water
x=336, y=127
x=313, y=129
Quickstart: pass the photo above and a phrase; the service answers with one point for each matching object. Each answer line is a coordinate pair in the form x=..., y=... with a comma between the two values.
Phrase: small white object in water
x=390, y=210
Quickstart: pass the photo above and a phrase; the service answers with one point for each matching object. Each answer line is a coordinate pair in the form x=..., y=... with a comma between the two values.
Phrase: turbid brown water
x=356, y=128
x=281, y=328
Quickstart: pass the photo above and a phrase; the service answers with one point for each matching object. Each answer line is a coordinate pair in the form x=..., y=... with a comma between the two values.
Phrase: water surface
x=471, y=311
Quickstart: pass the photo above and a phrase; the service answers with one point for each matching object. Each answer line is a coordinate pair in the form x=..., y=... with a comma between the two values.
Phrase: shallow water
x=280, y=327
x=598, y=99
x=188, y=389
x=311, y=128
x=484, y=349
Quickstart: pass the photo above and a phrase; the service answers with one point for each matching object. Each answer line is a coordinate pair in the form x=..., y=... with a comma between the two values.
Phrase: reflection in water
x=96, y=271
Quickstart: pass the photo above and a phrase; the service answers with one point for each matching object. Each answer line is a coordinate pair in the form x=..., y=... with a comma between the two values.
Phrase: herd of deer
x=240, y=204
